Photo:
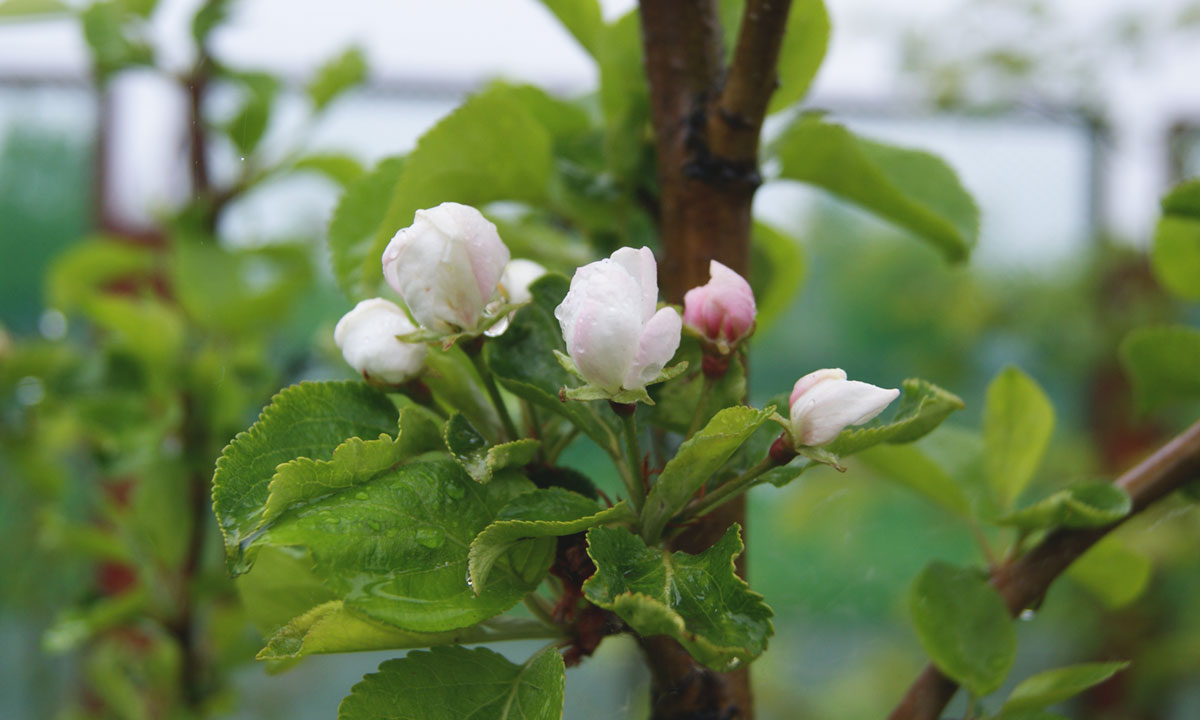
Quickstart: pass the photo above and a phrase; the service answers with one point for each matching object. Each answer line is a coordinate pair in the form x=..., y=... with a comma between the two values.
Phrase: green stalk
x=489, y=382
x=701, y=406
x=730, y=488
x=635, y=482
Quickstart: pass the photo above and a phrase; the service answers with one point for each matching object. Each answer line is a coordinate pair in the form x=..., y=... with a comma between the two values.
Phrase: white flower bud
x=824, y=402
x=518, y=275
x=367, y=337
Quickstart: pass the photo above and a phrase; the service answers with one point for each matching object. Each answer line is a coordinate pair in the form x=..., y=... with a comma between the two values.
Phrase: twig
x=1024, y=582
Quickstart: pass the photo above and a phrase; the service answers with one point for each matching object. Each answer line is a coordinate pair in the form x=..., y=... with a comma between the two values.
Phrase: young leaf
x=336, y=76
x=107, y=32
x=1081, y=506
x=453, y=683
x=396, y=548
x=548, y=513
x=280, y=587
x=344, y=170
x=963, y=624
x=355, y=219
x=1176, y=252
x=909, y=466
x=306, y=420
x=1112, y=572
x=1054, y=686
x=910, y=188
x=581, y=18
x=804, y=43
x=248, y=125
x=776, y=272
x=697, y=459
x=696, y=599
x=478, y=458
x=1162, y=361
x=922, y=407
x=1017, y=422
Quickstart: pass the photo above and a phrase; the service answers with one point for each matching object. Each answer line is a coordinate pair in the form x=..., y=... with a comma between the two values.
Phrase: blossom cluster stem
x=489, y=382
x=731, y=488
x=634, y=480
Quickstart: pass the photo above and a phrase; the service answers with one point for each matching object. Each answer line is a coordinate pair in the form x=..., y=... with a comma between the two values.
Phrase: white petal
x=367, y=338
x=641, y=266
x=829, y=406
x=656, y=347
x=518, y=276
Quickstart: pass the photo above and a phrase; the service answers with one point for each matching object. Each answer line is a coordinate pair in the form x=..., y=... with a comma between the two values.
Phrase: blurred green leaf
x=114, y=46
x=581, y=18
x=1029, y=715
x=85, y=269
x=74, y=627
x=281, y=586
x=776, y=272
x=912, y=189
x=342, y=169
x=533, y=517
x=696, y=599
x=248, y=125
x=695, y=462
x=963, y=624
x=208, y=17
x=18, y=10
x=1081, y=506
x=624, y=96
x=452, y=683
x=1176, y=251
x=1053, y=686
x=336, y=76
x=1018, y=420
x=357, y=216
x=923, y=406
x=910, y=466
x=676, y=402
x=1162, y=362
x=238, y=290
x=147, y=327
x=481, y=460
x=308, y=420
x=803, y=50
x=1112, y=572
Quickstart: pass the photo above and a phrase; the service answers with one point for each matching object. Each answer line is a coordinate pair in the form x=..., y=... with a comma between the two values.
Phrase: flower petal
x=655, y=348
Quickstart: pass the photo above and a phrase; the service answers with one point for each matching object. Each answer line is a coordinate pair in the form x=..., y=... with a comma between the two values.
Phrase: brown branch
x=1024, y=583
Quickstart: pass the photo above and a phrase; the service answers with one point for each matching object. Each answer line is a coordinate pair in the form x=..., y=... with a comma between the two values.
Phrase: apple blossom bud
x=824, y=402
x=518, y=275
x=367, y=337
x=609, y=323
x=447, y=266
x=721, y=310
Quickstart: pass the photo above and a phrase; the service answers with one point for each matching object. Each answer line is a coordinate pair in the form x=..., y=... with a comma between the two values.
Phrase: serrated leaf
x=342, y=169
x=1018, y=420
x=963, y=624
x=453, y=683
x=523, y=361
x=1113, y=573
x=696, y=599
x=358, y=214
x=1176, y=251
x=1053, y=686
x=1081, y=506
x=695, y=462
x=336, y=76
x=396, y=548
x=308, y=420
x=912, y=189
x=910, y=466
x=922, y=407
x=490, y=148
x=548, y=513
x=1164, y=364
x=581, y=18
x=480, y=459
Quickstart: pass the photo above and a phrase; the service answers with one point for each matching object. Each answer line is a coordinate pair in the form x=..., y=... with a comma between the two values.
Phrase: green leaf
x=581, y=18
x=963, y=624
x=307, y=420
x=624, y=97
x=208, y=17
x=695, y=462
x=803, y=50
x=696, y=599
x=912, y=189
x=456, y=384
x=336, y=76
x=490, y=148
x=922, y=407
x=776, y=272
x=1081, y=506
x=108, y=33
x=523, y=361
x=910, y=466
x=548, y=513
x=238, y=290
x=145, y=326
x=248, y=125
x=1112, y=572
x=75, y=626
x=1162, y=363
x=481, y=460
x=342, y=169
x=1018, y=420
x=280, y=587
x=83, y=270
x=453, y=683
x=1053, y=686
x=396, y=548
x=1176, y=252
x=355, y=219
x=17, y=10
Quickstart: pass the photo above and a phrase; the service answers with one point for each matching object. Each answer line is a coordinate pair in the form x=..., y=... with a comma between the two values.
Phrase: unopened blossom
x=367, y=338
x=722, y=310
x=518, y=275
x=824, y=402
x=446, y=266
x=613, y=333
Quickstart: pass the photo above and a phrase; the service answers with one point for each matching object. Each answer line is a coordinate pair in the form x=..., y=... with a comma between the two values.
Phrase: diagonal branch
x=1024, y=583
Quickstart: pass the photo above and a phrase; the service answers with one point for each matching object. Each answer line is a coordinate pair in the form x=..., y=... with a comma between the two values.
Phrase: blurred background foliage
x=127, y=360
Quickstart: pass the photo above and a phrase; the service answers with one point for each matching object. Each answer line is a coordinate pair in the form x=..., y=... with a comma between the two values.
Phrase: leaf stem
x=489, y=382
x=730, y=488
x=635, y=482
x=701, y=406
x=538, y=607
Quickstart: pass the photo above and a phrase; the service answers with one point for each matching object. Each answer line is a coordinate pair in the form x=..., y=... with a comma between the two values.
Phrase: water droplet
x=734, y=663
x=1026, y=615
x=455, y=491
x=361, y=495
x=469, y=583
x=431, y=538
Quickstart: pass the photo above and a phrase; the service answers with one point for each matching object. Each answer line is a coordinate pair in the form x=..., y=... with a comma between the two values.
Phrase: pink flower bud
x=723, y=309
x=447, y=266
x=609, y=323
x=367, y=338
x=824, y=402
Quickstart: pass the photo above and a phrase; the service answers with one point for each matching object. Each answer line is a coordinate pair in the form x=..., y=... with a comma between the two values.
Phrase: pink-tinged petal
x=656, y=347
x=693, y=308
x=723, y=308
x=828, y=407
x=816, y=376
x=641, y=266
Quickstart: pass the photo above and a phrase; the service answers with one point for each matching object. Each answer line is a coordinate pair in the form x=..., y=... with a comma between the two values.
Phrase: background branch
x=1024, y=582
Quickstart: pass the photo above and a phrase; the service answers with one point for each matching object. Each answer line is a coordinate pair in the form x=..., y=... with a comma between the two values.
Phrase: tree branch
x=1024, y=582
